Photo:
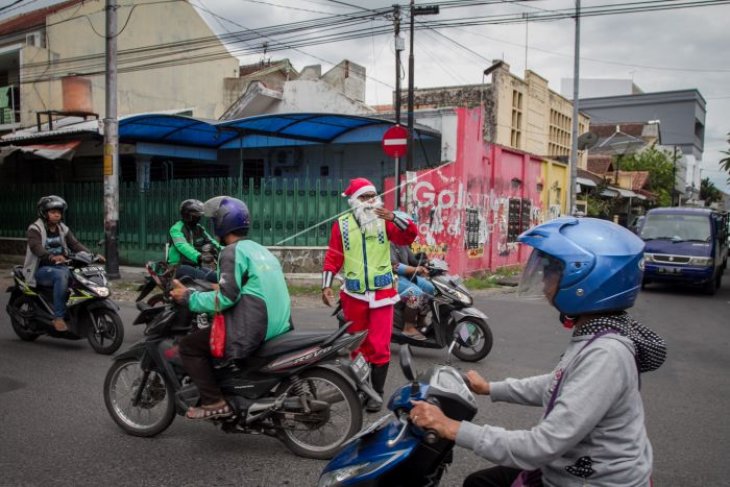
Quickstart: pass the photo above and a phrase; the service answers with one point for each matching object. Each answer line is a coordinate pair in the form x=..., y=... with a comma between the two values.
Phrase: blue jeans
x=196, y=273
x=55, y=276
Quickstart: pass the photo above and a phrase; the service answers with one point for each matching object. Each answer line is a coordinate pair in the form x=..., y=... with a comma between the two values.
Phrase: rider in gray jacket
x=592, y=431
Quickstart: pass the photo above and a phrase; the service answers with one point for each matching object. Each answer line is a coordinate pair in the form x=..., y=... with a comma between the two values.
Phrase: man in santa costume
x=360, y=246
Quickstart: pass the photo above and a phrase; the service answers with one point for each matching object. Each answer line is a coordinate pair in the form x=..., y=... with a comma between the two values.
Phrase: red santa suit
x=369, y=309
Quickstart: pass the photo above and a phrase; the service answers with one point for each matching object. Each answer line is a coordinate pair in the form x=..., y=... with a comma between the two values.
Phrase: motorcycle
x=450, y=320
x=300, y=387
x=91, y=313
x=393, y=451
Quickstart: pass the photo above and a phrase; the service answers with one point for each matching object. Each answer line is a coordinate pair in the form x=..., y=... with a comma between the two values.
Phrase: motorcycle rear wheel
x=108, y=337
x=156, y=409
x=344, y=417
x=23, y=305
x=479, y=340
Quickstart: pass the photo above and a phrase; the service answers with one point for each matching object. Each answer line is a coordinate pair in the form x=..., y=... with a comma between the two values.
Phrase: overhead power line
x=325, y=30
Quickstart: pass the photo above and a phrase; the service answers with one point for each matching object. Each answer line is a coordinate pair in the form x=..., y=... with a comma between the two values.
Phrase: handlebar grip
x=430, y=437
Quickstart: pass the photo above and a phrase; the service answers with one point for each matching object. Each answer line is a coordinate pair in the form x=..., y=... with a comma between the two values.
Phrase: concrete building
x=681, y=118
x=52, y=62
x=523, y=114
x=279, y=88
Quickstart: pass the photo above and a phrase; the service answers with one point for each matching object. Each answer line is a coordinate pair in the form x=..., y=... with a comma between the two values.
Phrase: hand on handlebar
x=422, y=271
x=430, y=417
x=58, y=259
x=100, y=259
x=477, y=383
x=178, y=293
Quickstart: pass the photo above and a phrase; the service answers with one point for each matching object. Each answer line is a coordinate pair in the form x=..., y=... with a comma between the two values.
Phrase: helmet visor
x=541, y=276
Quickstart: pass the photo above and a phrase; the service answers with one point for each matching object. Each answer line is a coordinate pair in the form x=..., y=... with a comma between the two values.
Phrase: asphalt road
x=54, y=428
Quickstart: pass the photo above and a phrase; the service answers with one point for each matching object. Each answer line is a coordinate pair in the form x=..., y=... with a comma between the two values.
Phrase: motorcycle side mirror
x=406, y=363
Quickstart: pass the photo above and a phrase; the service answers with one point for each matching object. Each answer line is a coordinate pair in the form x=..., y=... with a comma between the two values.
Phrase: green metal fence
x=287, y=212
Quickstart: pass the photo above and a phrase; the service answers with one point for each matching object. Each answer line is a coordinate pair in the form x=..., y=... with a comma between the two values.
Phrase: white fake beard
x=365, y=215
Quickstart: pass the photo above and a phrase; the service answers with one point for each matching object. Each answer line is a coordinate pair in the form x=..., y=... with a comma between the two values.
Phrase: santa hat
x=359, y=186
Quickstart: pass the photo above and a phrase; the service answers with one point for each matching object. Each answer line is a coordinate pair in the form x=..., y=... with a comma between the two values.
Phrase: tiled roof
x=35, y=18
x=599, y=164
x=596, y=178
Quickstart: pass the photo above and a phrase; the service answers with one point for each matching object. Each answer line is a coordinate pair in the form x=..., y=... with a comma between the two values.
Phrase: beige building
x=53, y=60
x=524, y=114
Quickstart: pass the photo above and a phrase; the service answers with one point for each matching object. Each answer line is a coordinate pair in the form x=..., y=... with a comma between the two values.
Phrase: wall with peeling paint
x=471, y=211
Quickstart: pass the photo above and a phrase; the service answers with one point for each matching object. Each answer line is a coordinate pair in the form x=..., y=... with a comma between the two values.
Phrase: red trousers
x=377, y=321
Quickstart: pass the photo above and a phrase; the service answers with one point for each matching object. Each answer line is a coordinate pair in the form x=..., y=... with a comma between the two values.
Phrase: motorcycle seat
x=292, y=340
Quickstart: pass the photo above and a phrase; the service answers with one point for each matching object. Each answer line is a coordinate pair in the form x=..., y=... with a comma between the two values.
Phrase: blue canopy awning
x=274, y=130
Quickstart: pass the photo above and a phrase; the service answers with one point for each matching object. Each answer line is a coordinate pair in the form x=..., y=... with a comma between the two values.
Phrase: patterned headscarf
x=651, y=351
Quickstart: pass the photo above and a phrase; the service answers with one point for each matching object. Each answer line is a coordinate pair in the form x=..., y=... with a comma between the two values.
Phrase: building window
x=516, y=132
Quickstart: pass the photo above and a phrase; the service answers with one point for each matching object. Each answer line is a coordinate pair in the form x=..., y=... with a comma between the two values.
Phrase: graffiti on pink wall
x=470, y=212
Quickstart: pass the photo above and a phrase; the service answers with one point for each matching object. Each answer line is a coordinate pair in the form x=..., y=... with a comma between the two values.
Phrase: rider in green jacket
x=192, y=249
x=252, y=295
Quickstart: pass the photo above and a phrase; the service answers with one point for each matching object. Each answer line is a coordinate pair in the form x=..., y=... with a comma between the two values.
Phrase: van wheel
x=711, y=287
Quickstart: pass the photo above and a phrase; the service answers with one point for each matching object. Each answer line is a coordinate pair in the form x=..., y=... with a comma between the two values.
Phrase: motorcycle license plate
x=360, y=367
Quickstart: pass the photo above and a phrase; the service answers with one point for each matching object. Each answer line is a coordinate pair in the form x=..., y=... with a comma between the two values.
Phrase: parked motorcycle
x=393, y=452
x=91, y=313
x=300, y=387
x=451, y=320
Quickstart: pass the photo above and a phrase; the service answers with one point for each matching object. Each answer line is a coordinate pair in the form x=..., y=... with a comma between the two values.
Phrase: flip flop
x=209, y=411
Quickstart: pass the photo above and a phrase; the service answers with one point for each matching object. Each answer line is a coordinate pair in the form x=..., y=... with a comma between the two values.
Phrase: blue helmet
x=228, y=215
x=601, y=263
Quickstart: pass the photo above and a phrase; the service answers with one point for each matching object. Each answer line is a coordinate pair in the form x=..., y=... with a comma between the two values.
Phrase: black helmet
x=51, y=202
x=191, y=210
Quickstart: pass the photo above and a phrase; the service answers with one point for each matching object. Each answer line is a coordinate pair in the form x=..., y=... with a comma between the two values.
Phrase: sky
x=665, y=50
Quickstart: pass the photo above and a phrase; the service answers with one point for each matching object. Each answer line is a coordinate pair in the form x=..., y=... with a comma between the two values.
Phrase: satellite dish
x=587, y=140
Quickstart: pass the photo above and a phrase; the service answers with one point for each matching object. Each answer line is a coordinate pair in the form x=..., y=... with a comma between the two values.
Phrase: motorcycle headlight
x=335, y=478
x=461, y=296
x=101, y=291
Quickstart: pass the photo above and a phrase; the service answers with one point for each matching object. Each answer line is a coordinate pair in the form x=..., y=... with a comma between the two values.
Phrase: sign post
x=395, y=145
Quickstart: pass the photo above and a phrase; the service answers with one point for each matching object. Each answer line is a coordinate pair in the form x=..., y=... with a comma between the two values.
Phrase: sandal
x=415, y=334
x=220, y=409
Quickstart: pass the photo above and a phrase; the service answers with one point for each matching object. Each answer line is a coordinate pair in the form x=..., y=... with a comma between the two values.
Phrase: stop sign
x=395, y=141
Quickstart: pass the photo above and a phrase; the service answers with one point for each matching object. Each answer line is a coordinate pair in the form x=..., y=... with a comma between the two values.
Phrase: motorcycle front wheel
x=106, y=331
x=320, y=434
x=156, y=408
x=473, y=339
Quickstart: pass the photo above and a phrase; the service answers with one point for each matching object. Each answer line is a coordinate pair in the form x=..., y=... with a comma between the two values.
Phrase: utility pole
x=111, y=147
x=674, y=178
x=399, y=46
x=574, y=129
x=430, y=10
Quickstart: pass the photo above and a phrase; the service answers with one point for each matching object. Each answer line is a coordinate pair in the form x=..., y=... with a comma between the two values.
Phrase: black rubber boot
x=378, y=374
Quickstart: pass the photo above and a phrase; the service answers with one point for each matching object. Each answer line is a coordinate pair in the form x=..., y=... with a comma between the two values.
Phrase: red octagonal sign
x=395, y=141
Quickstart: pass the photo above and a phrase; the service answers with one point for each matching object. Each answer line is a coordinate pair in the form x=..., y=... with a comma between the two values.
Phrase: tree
x=661, y=166
x=709, y=192
x=725, y=163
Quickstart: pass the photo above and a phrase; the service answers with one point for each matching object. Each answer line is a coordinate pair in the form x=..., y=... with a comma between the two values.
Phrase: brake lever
x=403, y=418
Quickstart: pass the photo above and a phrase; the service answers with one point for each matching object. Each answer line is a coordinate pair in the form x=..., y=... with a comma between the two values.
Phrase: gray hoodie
x=595, y=434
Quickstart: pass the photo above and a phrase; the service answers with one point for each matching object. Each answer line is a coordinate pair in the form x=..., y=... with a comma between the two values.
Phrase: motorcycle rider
x=413, y=288
x=252, y=296
x=368, y=294
x=187, y=238
x=49, y=242
x=593, y=428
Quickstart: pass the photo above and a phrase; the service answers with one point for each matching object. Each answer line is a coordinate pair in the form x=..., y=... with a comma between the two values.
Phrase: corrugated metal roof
x=260, y=131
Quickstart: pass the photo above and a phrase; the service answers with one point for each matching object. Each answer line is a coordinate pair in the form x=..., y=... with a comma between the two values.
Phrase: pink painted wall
x=463, y=208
